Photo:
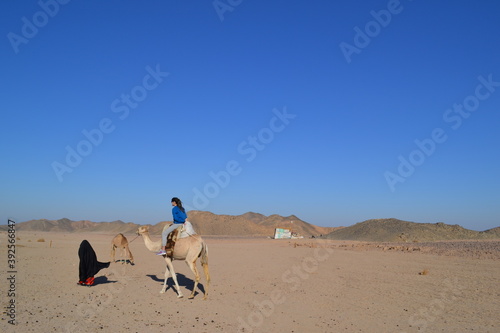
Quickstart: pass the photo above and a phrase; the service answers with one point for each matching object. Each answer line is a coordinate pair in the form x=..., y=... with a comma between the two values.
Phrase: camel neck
x=151, y=246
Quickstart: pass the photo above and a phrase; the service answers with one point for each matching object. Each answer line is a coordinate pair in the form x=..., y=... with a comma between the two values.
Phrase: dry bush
x=41, y=240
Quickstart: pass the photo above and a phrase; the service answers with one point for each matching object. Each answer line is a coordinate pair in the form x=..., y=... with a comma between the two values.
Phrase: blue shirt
x=179, y=215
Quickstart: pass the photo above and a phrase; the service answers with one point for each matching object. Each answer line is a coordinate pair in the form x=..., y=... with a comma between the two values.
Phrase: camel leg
x=112, y=253
x=123, y=255
x=167, y=275
x=192, y=265
x=170, y=269
x=131, y=258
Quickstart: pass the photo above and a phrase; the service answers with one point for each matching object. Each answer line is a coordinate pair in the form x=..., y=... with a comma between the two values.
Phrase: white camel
x=188, y=249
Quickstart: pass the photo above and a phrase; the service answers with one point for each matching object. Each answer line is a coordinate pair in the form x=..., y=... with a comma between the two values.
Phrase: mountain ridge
x=205, y=223
x=394, y=230
x=255, y=224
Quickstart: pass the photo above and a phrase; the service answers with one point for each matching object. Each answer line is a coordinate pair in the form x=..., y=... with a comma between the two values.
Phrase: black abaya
x=89, y=266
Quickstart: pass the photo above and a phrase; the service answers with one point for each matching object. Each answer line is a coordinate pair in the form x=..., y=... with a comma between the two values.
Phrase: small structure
x=280, y=233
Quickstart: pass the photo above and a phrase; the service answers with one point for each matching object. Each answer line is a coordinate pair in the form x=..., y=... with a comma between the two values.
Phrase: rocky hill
x=67, y=225
x=205, y=223
x=394, y=230
x=254, y=224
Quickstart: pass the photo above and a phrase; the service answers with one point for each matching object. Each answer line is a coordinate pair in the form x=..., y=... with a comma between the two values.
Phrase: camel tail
x=204, y=254
x=204, y=262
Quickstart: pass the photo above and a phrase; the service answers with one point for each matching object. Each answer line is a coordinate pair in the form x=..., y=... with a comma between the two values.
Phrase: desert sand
x=258, y=285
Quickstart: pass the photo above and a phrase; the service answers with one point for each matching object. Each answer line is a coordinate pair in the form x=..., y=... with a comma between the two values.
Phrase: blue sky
x=335, y=111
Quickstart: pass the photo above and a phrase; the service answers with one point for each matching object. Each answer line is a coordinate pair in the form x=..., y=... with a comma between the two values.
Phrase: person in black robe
x=89, y=266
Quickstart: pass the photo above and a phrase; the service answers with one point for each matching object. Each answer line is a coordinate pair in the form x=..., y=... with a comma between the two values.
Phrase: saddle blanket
x=186, y=230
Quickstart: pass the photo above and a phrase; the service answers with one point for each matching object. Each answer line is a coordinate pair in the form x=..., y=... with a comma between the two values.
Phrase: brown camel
x=121, y=242
x=188, y=249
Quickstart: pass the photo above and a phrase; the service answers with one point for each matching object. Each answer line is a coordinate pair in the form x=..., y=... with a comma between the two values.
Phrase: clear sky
x=335, y=111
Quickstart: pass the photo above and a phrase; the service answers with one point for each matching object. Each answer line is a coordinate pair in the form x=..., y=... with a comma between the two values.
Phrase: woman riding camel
x=179, y=217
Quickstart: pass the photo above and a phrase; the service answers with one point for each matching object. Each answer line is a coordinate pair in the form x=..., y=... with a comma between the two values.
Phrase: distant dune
x=394, y=230
x=254, y=224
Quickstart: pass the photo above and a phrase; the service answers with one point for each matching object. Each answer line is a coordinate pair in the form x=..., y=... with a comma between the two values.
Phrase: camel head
x=142, y=230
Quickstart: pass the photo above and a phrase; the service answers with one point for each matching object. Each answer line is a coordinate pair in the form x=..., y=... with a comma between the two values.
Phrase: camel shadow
x=183, y=282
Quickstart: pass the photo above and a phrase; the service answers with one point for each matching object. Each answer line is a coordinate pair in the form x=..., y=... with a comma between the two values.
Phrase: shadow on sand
x=124, y=261
x=183, y=282
x=102, y=280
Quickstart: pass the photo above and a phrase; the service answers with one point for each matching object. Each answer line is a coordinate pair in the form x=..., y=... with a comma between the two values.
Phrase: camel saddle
x=171, y=239
x=184, y=230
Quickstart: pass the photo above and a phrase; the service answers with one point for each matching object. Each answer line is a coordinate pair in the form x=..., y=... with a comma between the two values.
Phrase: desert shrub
x=41, y=240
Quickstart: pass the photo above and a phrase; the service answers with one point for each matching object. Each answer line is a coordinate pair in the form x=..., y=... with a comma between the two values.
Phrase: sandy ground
x=258, y=285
